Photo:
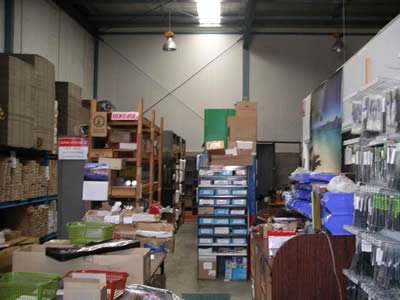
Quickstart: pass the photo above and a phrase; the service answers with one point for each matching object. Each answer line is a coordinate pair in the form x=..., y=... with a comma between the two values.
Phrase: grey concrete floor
x=181, y=269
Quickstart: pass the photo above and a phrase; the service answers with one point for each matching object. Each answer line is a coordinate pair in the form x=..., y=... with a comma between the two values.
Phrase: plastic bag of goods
x=341, y=184
x=143, y=292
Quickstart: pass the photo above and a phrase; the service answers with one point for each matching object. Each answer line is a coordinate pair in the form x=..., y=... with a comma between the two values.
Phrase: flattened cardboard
x=136, y=262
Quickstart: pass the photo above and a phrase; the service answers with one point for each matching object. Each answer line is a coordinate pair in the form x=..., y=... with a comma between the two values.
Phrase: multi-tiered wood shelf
x=146, y=132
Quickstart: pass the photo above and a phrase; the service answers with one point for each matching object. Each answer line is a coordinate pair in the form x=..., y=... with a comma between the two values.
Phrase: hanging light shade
x=169, y=44
x=338, y=46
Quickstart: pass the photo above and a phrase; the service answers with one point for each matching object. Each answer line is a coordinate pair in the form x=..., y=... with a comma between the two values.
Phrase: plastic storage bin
x=86, y=232
x=242, y=202
x=239, y=231
x=222, y=182
x=334, y=223
x=237, y=221
x=206, y=221
x=222, y=201
x=206, y=202
x=237, y=212
x=302, y=195
x=204, y=192
x=221, y=221
x=34, y=286
x=205, y=231
x=239, y=192
x=225, y=241
x=116, y=281
x=221, y=212
x=205, y=241
x=239, y=241
x=338, y=203
x=222, y=192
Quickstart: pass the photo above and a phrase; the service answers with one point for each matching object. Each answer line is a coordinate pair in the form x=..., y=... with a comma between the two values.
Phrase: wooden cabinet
x=301, y=269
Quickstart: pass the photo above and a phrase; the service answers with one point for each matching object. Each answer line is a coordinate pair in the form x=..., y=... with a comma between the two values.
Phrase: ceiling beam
x=70, y=9
x=116, y=2
x=249, y=16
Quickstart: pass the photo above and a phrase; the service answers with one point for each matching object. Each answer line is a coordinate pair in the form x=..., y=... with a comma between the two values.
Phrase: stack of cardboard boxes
x=16, y=106
x=11, y=180
x=241, y=141
x=53, y=179
x=72, y=112
x=34, y=180
x=43, y=98
x=31, y=220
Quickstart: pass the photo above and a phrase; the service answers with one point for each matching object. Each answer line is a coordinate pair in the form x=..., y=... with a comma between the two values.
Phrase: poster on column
x=326, y=126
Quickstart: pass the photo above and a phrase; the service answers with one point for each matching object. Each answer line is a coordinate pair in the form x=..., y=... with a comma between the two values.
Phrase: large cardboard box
x=80, y=288
x=207, y=267
x=7, y=253
x=136, y=262
x=206, y=210
x=113, y=163
x=120, y=137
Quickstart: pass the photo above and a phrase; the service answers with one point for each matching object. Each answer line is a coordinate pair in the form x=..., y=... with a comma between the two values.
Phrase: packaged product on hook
x=375, y=116
x=356, y=117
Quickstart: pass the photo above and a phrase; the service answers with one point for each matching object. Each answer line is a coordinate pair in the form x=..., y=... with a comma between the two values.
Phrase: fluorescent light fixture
x=209, y=12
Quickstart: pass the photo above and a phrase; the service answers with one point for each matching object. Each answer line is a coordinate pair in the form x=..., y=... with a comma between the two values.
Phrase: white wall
x=137, y=67
x=42, y=28
x=284, y=69
x=384, y=53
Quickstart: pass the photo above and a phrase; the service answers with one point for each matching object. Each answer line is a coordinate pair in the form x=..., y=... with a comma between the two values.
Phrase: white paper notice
x=72, y=148
x=207, y=266
x=95, y=190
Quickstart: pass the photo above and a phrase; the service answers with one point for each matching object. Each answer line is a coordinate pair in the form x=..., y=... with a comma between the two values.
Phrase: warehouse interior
x=199, y=149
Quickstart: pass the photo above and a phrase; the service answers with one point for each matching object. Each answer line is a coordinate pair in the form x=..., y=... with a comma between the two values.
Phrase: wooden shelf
x=137, y=156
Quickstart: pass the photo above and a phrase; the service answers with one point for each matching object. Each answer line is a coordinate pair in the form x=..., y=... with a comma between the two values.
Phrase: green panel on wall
x=215, y=128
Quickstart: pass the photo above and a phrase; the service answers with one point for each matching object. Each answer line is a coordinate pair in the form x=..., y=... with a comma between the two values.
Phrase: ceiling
x=110, y=16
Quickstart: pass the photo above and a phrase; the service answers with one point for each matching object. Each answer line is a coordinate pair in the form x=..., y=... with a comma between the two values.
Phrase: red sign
x=72, y=148
x=125, y=116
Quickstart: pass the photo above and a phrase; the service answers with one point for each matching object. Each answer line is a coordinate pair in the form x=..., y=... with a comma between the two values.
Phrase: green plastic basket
x=86, y=232
x=33, y=286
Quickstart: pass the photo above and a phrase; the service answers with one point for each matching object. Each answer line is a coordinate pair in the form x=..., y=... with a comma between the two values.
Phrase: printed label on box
x=207, y=266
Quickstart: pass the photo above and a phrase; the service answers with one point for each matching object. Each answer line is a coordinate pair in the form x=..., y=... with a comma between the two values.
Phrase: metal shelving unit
x=214, y=236
x=40, y=200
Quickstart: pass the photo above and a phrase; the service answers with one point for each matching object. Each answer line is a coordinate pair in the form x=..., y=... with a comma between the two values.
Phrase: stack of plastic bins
x=301, y=195
x=319, y=178
x=337, y=210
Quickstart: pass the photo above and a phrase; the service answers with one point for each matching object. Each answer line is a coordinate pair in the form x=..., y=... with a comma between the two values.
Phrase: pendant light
x=338, y=46
x=169, y=44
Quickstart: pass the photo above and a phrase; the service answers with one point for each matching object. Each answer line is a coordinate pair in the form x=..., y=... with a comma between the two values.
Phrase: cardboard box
x=98, y=124
x=215, y=147
x=228, y=160
x=12, y=235
x=7, y=253
x=158, y=281
x=136, y=262
x=88, y=289
x=120, y=137
x=129, y=231
x=113, y=163
x=246, y=106
x=207, y=267
x=206, y=211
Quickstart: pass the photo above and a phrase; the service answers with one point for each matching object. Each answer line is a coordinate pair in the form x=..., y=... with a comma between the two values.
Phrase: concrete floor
x=181, y=269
